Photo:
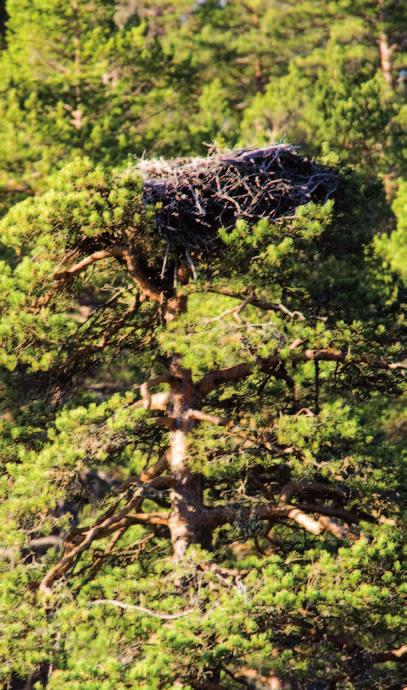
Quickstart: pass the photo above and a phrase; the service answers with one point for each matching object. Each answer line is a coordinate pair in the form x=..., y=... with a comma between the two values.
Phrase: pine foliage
x=202, y=422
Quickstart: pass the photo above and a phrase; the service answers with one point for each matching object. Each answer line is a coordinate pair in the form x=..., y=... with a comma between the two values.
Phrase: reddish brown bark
x=386, y=58
x=386, y=50
x=185, y=521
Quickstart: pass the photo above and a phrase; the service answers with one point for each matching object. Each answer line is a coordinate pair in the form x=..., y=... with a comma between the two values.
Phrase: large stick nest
x=195, y=197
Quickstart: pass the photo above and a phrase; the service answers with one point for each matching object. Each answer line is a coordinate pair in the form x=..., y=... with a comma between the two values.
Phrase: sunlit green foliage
x=86, y=88
x=393, y=248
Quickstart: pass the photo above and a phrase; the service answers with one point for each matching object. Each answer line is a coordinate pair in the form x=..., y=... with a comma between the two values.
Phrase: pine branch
x=238, y=372
x=215, y=378
x=69, y=273
x=398, y=655
x=300, y=513
x=142, y=609
x=250, y=297
x=301, y=487
x=109, y=523
x=149, y=289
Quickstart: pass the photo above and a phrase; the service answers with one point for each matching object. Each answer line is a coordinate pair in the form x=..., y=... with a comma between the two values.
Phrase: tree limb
x=149, y=289
x=210, y=418
x=349, y=516
x=237, y=372
x=306, y=521
x=145, y=389
x=300, y=513
x=251, y=298
x=102, y=528
x=142, y=609
x=153, y=472
x=146, y=285
x=213, y=379
x=398, y=655
x=157, y=401
x=301, y=487
x=69, y=273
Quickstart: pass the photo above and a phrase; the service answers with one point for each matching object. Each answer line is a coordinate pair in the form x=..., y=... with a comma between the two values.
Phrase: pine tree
x=202, y=436
x=198, y=501
x=337, y=95
x=74, y=82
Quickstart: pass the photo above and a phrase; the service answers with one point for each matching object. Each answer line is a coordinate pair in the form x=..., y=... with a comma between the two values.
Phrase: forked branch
x=110, y=523
x=148, y=287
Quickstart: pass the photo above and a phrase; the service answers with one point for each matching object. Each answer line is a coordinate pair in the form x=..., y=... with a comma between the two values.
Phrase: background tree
x=337, y=95
x=73, y=81
x=167, y=77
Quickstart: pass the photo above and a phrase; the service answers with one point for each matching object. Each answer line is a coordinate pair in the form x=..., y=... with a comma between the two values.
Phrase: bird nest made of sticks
x=193, y=198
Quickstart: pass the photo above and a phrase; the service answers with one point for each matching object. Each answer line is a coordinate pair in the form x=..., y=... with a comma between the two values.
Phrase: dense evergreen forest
x=203, y=216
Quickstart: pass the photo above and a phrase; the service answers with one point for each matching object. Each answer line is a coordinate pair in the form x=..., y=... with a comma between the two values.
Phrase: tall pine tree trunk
x=385, y=49
x=386, y=53
x=185, y=521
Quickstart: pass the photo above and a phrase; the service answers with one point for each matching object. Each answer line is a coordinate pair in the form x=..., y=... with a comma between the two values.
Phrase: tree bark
x=386, y=62
x=385, y=49
x=185, y=520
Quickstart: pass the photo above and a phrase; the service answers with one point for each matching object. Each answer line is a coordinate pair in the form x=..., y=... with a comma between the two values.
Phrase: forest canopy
x=203, y=210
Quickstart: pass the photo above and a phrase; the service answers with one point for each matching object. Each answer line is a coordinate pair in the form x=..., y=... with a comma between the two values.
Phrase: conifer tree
x=75, y=82
x=338, y=94
x=200, y=482
x=202, y=426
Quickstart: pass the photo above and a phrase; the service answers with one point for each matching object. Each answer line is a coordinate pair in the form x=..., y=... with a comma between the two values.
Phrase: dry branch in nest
x=196, y=197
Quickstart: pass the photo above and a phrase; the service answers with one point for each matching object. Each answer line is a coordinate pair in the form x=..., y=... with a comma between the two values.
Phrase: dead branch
x=147, y=385
x=141, y=609
x=157, y=401
x=200, y=416
x=306, y=521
